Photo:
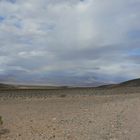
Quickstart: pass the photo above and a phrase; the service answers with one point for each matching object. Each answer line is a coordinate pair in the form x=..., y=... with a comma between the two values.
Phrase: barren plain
x=71, y=114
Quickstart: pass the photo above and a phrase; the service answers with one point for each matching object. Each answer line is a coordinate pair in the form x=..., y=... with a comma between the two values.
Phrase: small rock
x=54, y=119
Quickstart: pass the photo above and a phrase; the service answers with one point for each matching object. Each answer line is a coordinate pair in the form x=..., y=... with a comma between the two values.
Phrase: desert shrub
x=63, y=95
x=1, y=121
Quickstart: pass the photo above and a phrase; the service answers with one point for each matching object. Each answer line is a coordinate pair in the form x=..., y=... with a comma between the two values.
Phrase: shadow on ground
x=4, y=131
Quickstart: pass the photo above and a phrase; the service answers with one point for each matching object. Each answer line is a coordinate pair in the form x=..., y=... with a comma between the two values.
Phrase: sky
x=69, y=42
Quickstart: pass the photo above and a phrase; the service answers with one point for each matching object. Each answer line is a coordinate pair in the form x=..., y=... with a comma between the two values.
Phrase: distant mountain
x=14, y=86
x=6, y=86
x=107, y=86
x=130, y=83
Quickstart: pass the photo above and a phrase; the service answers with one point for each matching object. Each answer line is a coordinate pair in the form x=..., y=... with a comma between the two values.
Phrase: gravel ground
x=97, y=117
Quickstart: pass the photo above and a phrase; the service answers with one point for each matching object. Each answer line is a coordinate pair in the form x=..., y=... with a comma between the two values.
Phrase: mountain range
x=130, y=83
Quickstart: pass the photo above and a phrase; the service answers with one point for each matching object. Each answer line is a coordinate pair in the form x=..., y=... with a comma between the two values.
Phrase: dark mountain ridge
x=130, y=83
x=134, y=82
x=5, y=86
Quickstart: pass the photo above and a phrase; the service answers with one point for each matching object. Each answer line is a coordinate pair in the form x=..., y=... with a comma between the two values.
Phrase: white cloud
x=70, y=35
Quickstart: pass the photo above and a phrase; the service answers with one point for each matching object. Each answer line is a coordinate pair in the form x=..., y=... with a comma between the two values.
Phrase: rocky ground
x=97, y=117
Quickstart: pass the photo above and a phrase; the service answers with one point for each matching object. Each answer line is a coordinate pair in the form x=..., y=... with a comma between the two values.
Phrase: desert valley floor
x=96, y=117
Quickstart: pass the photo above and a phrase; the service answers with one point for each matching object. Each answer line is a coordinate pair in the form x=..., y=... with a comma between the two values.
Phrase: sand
x=97, y=117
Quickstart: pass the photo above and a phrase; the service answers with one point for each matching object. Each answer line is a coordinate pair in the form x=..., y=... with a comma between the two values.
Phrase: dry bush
x=1, y=121
x=63, y=95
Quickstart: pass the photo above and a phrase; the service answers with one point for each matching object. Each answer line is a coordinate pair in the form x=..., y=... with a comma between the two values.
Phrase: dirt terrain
x=112, y=114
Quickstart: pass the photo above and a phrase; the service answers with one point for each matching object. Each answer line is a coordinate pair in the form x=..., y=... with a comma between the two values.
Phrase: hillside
x=130, y=83
x=6, y=86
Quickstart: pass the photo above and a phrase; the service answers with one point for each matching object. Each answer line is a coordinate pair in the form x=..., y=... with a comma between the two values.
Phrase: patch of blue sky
x=18, y=25
x=135, y=34
x=134, y=52
x=2, y=18
x=11, y=1
x=16, y=22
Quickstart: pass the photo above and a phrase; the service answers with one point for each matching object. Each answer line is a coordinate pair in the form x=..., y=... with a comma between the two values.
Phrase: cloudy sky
x=69, y=42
